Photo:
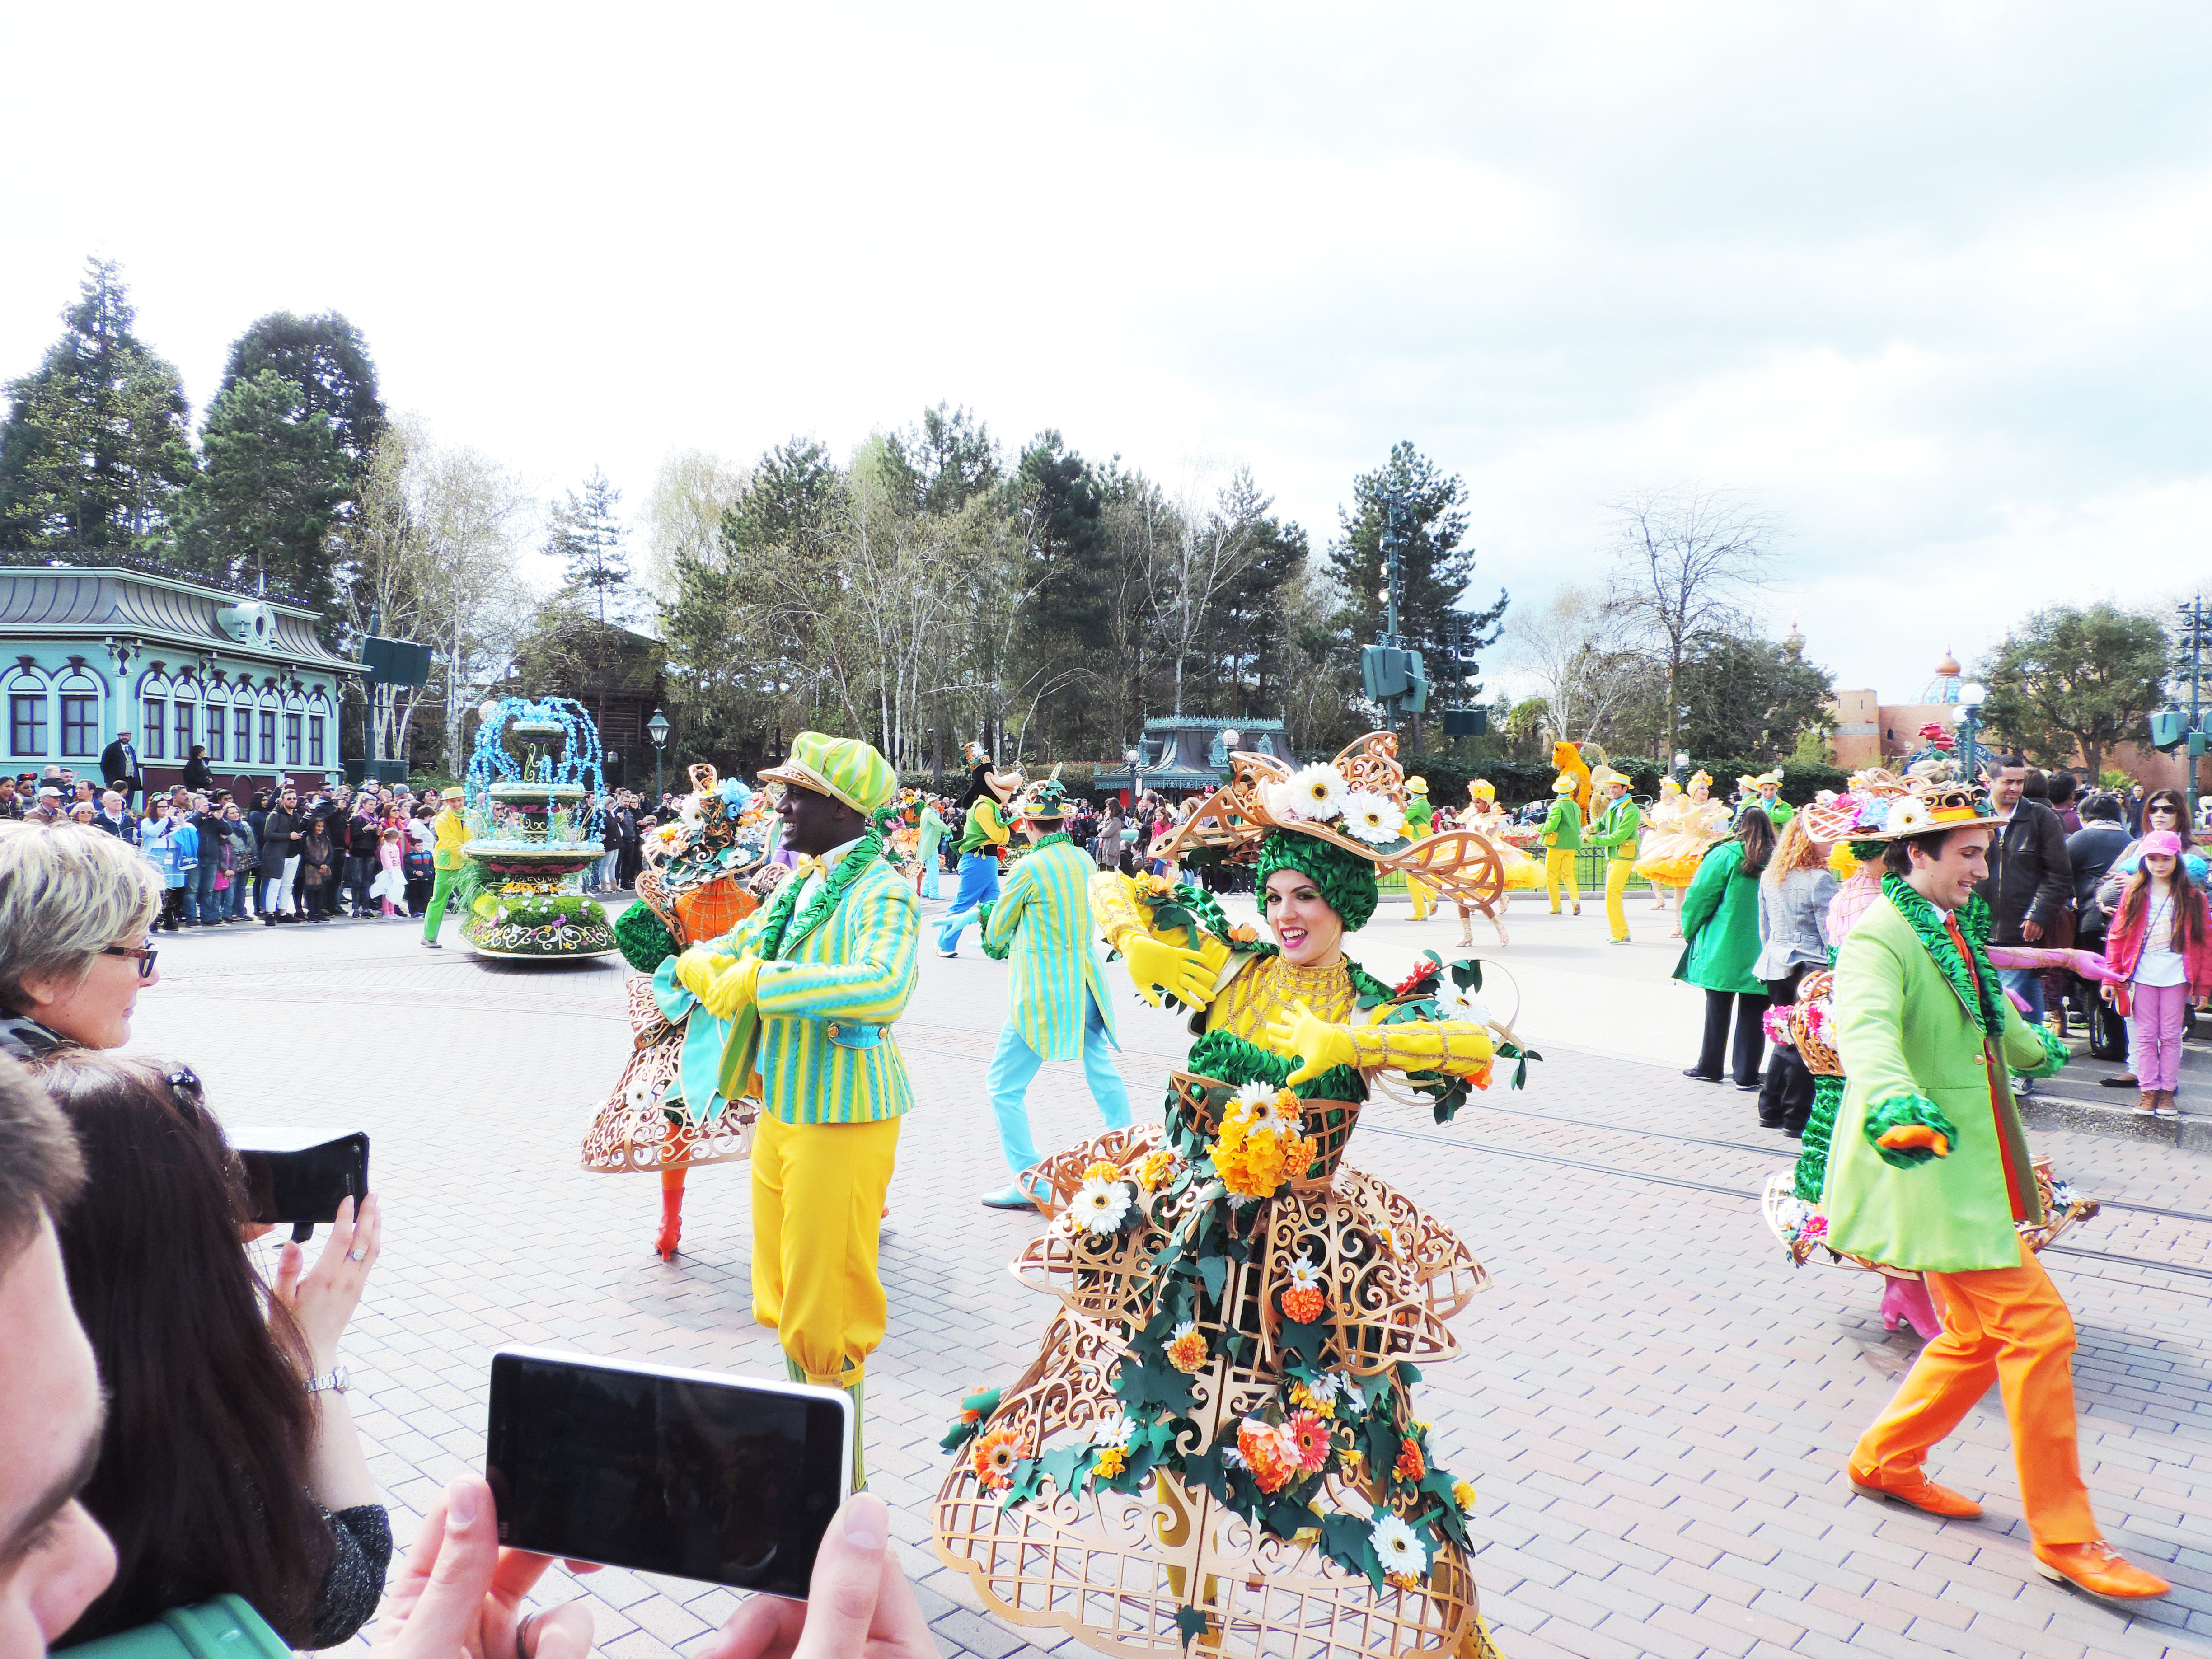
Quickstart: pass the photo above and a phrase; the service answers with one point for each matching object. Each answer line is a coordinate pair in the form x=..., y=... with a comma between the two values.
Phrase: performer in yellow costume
x=453, y=834
x=1420, y=815
x=1523, y=873
x=1672, y=853
x=811, y=985
x=1222, y=1410
x=1563, y=839
x=1615, y=831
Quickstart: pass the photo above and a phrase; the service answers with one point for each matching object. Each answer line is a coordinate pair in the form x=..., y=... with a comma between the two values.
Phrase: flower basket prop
x=641, y=1129
x=1802, y=1229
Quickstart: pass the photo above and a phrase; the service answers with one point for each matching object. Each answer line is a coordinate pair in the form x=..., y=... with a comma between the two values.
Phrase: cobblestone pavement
x=1655, y=1408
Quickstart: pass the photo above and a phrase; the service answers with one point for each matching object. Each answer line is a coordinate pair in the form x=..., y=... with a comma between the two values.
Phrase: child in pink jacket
x=2160, y=946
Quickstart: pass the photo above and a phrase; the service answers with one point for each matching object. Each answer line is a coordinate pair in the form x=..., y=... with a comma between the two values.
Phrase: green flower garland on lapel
x=1986, y=1010
x=1057, y=838
x=779, y=931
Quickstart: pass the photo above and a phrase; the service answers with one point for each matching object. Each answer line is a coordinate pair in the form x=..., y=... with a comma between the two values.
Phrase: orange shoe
x=2098, y=1569
x=671, y=1222
x=1924, y=1495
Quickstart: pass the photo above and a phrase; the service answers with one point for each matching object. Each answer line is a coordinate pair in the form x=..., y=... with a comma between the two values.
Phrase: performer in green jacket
x=1060, y=1007
x=1720, y=950
x=1929, y=1169
x=1615, y=831
x=1563, y=839
x=810, y=984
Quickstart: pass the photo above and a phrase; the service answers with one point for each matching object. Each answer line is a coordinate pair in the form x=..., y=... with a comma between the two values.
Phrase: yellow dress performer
x=1563, y=839
x=1682, y=834
x=1216, y=1449
x=810, y=986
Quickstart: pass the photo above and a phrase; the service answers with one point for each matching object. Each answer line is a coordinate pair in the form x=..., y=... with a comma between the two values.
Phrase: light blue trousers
x=1016, y=1064
x=979, y=880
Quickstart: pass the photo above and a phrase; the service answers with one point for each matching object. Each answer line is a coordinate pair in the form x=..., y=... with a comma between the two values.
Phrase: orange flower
x=1109, y=1461
x=1404, y=1581
x=1157, y=1166
x=1245, y=934
x=1310, y=1438
x=996, y=1454
x=1303, y=1304
x=1187, y=1348
x=1254, y=1162
x=1103, y=1170
x=1412, y=1466
x=1268, y=1452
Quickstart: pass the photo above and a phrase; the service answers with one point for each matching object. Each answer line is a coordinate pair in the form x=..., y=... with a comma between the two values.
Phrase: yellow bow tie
x=809, y=865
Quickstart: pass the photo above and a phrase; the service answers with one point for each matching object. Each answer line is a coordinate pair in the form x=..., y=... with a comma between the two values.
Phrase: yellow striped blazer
x=827, y=1054
x=1046, y=912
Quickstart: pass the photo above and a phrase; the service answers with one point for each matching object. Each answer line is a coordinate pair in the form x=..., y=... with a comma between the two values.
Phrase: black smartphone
x=689, y=1473
x=300, y=1174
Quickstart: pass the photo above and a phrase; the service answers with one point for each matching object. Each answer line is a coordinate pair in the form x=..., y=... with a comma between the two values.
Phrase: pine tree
x=94, y=452
x=327, y=359
x=267, y=492
x=1436, y=569
x=587, y=538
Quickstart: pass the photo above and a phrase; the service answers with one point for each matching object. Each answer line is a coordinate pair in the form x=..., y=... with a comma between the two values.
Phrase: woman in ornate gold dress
x=1682, y=828
x=1216, y=1442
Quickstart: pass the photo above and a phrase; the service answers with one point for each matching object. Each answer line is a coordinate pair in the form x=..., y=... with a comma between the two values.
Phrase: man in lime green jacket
x=1615, y=831
x=1563, y=839
x=1929, y=1169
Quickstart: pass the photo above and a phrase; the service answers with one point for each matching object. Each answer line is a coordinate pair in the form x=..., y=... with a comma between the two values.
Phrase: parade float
x=534, y=819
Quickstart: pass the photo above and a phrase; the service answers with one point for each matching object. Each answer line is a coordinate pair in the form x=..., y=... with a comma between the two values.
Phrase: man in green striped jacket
x=1058, y=991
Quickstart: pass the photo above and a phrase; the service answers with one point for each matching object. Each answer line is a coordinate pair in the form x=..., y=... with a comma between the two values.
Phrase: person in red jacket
x=2161, y=947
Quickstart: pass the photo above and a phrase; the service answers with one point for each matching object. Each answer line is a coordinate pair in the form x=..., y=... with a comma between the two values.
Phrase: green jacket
x=1563, y=830
x=1616, y=831
x=1044, y=918
x=1420, y=815
x=1719, y=924
x=1779, y=811
x=1903, y=1031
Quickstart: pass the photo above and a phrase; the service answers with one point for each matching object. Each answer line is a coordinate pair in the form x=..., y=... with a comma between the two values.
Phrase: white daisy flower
x=1100, y=1204
x=1275, y=1115
x=1906, y=815
x=1330, y=1386
x=1399, y=1547
x=1280, y=800
x=1456, y=1003
x=1306, y=1276
x=1113, y=1431
x=1317, y=791
x=1373, y=818
x=1253, y=1094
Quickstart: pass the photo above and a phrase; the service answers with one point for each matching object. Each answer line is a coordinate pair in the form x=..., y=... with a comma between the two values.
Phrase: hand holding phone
x=858, y=1605
x=459, y=1595
x=321, y=1302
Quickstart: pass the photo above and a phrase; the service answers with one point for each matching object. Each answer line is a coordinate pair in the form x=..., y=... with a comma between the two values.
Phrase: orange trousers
x=2008, y=1325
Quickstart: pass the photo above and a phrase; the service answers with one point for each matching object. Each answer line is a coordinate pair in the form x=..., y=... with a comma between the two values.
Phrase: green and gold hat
x=843, y=768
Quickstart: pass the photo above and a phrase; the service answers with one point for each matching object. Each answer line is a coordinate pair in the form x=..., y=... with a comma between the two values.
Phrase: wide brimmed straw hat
x=1356, y=802
x=1564, y=785
x=1930, y=802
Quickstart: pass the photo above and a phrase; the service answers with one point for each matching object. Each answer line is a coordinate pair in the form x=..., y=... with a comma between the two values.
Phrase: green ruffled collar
x=1986, y=1009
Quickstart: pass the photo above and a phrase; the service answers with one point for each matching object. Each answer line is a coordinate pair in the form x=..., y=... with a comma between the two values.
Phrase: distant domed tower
x=1944, y=687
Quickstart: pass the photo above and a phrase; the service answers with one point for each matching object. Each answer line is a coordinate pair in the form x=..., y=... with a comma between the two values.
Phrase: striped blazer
x=827, y=1054
x=1046, y=912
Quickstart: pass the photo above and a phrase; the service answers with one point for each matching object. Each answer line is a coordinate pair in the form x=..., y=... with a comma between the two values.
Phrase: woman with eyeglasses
x=230, y=1462
x=75, y=909
x=2163, y=808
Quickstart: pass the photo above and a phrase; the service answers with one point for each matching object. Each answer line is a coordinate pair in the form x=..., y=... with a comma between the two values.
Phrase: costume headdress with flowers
x=1933, y=799
x=694, y=862
x=1353, y=804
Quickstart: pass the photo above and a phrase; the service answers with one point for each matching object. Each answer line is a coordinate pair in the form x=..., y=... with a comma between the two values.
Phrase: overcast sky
x=1926, y=281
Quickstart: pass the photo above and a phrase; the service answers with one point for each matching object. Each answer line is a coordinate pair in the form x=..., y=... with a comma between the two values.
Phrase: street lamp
x=1971, y=696
x=1136, y=759
x=657, y=729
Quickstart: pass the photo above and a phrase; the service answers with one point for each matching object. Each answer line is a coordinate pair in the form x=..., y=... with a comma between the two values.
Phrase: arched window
x=153, y=711
x=185, y=699
x=272, y=701
x=28, y=729
x=218, y=720
x=78, y=694
x=318, y=726
x=296, y=719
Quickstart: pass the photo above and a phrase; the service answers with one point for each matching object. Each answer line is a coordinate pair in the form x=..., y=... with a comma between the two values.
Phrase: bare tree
x=684, y=515
x=1215, y=549
x=473, y=510
x=1575, y=647
x=1685, y=562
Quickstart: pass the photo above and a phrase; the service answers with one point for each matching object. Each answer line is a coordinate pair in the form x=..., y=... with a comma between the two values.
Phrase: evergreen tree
x=94, y=452
x=1436, y=569
x=945, y=464
x=587, y=538
x=264, y=501
x=1749, y=697
x=327, y=359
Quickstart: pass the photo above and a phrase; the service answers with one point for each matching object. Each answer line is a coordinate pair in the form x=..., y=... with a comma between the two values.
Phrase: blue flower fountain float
x=535, y=824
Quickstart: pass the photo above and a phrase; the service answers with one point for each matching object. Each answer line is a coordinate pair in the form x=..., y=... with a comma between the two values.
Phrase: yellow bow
x=809, y=865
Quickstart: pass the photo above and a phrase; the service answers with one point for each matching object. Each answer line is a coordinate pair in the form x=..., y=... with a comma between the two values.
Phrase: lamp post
x=1971, y=696
x=657, y=729
x=1136, y=758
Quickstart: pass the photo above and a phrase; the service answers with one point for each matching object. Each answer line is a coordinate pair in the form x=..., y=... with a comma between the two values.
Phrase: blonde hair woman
x=1793, y=941
x=75, y=904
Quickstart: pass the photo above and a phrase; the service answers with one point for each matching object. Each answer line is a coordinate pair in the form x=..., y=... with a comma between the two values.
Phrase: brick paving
x=1655, y=1408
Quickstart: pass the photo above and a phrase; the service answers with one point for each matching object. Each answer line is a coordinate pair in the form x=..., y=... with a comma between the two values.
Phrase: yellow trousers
x=1424, y=897
x=1559, y=866
x=1616, y=883
x=817, y=1206
x=2007, y=1326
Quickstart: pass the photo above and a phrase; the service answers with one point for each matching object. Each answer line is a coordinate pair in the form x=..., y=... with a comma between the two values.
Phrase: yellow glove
x=733, y=988
x=1317, y=1044
x=696, y=967
x=1155, y=962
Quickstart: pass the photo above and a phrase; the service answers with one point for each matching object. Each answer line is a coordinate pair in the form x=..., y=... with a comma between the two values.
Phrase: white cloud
x=1929, y=281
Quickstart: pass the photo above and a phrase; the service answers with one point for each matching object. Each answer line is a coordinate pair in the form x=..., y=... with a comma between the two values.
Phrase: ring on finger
x=356, y=1255
x=522, y=1635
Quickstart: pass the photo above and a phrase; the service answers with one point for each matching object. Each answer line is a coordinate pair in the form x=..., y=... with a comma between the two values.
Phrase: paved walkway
x=1656, y=1408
